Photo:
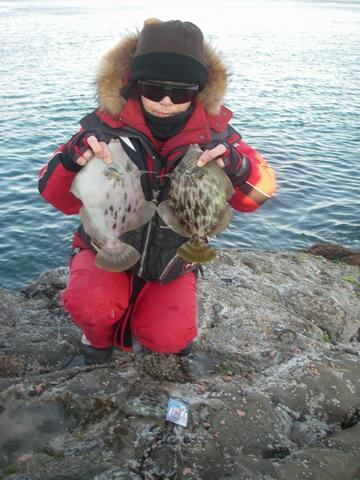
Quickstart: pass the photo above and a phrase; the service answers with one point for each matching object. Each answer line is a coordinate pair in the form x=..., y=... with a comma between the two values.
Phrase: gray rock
x=273, y=382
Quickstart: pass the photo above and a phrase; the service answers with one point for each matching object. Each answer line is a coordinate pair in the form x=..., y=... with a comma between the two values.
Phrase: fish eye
x=112, y=173
x=128, y=167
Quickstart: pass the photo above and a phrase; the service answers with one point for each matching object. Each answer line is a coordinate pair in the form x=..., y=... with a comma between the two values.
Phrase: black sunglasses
x=157, y=91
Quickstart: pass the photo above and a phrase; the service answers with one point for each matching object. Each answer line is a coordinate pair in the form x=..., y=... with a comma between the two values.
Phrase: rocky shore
x=273, y=382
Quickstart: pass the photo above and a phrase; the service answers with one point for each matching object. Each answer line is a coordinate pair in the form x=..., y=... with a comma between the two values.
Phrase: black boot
x=94, y=355
x=186, y=350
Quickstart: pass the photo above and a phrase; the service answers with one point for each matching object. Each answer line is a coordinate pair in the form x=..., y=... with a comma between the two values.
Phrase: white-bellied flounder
x=197, y=205
x=113, y=203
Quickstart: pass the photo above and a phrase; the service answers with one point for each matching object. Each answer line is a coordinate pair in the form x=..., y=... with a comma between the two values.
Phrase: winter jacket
x=208, y=125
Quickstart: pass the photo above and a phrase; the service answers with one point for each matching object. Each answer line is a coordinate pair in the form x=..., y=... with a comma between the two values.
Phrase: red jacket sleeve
x=260, y=184
x=253, y=179
x=55, y=182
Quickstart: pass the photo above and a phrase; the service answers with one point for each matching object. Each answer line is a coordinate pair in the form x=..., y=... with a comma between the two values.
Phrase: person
x=159, y=91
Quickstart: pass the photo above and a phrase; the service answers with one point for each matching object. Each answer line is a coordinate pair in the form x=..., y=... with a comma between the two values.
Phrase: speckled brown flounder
x=197, y=206
x=113, y=203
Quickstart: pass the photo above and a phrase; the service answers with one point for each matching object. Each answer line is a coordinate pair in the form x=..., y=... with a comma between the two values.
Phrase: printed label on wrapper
x=177, y=411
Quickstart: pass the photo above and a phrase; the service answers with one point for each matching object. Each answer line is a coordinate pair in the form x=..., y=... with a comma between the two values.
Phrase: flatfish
x=113, y=203
x=197, y=205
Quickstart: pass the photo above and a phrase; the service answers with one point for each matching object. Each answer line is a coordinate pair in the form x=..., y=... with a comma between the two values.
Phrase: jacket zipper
x=168, y=267
x=155, y=194
x=143, y=257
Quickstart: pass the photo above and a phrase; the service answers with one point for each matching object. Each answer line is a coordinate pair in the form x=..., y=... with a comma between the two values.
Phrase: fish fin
x=224, y=180
x=223, y=222
x=168, y=216
x=117, y=259
x=195, y=253
x=145, y=215
x=228, y=186
x=89, y=226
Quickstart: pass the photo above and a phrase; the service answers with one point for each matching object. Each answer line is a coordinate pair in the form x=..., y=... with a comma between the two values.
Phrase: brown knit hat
x=172, y=51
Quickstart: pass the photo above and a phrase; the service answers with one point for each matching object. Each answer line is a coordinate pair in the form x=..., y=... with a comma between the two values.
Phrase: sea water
x=293, y=87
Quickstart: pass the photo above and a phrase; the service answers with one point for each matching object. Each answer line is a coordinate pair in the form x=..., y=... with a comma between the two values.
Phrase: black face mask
x=164, y=128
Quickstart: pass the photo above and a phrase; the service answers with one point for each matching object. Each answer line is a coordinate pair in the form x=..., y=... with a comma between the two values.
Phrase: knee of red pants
x=164, y=317
x=95, y=298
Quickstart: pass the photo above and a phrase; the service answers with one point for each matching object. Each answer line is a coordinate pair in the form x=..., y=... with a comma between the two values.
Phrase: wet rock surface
x=273, y=382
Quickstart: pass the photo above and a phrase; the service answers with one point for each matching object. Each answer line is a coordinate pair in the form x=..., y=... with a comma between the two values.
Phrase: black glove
x=77, y=145
x=237, y=167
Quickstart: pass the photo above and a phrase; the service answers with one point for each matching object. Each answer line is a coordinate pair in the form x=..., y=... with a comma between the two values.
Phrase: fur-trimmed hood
x=114, y=69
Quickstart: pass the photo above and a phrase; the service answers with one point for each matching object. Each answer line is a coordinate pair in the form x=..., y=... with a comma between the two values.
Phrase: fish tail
x=117, y=259
x=193, y=252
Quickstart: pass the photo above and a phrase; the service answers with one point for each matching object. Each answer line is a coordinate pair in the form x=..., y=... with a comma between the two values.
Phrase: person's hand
x=100, y=149
x=213, y=154
x=82, y=147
